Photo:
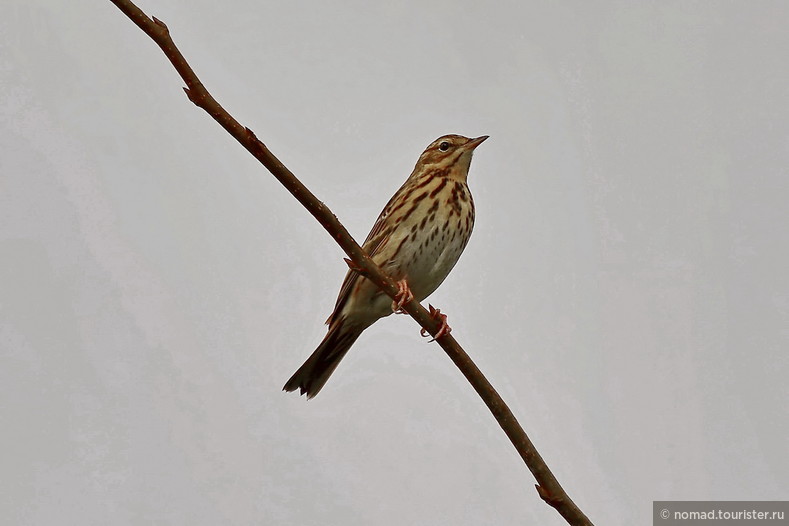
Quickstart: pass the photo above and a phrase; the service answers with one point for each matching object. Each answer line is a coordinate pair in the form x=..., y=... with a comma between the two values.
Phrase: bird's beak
x=473, y=143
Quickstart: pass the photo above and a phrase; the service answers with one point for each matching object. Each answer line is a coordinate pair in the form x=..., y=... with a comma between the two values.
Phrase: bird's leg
x=403, y=296
x=443, y=330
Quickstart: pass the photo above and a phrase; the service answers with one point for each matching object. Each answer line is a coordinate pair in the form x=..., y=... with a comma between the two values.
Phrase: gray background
x=625, y=288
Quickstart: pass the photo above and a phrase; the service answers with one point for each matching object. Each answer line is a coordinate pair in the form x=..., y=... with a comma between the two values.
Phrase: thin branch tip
x=548, y=497
x=192, y=97
x=257, y=144
x=160, y=24
x=354, y=267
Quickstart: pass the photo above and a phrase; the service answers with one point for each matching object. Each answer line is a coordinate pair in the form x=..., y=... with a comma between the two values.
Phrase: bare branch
x=547, y=486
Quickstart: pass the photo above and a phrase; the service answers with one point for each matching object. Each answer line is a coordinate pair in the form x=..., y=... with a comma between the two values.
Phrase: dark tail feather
x=311, y=377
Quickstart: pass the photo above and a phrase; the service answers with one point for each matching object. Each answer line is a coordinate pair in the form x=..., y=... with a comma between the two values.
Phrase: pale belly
x=424, y=261
x=430, y=267
x=433, y=255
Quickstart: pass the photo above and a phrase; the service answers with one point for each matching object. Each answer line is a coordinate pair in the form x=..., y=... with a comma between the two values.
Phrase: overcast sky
x=625, y=289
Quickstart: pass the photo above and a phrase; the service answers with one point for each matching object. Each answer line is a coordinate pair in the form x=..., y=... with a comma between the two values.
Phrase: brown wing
x=374, y=241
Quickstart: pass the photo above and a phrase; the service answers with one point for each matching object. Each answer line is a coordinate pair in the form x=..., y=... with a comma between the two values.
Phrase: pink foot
x=403, y=296
x=443, y=330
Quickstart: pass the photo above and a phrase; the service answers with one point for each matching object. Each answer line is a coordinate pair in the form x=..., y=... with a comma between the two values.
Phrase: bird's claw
x=443, y=330
x=403, y=296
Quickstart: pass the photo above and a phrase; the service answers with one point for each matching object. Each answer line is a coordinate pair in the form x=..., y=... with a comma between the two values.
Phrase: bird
x=417, y=239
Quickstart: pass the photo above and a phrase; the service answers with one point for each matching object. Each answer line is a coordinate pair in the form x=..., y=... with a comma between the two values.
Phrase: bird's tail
x=311, y=377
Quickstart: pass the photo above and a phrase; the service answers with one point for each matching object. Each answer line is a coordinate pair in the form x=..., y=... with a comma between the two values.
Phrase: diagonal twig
x=547, y=486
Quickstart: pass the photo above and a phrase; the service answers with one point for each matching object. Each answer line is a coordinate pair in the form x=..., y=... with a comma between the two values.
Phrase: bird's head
x=449, y=155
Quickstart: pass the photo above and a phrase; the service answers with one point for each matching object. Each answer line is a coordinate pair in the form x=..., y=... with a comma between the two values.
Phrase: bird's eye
x=444, y=146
